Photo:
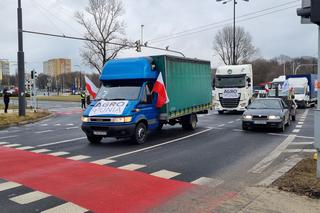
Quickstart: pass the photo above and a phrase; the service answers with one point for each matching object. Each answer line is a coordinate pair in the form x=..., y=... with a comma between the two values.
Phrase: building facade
x=4, y=67
x=56, y=67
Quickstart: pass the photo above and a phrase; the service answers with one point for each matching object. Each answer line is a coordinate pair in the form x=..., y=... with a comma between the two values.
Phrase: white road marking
x=8, y=185
x=238, y=119
x=296, y=130
x=29, y=197
x=66, y=208
x=60, y=142
x=264, y=163
x=74, y=127
x=278, y=173
x=300, y=123
x=57, y=124
x=309, y=150
x=221, y=125
x=211, y=182
x=3, y=143
x=158, y=145
x=165, y=174
x=6, y=137
x=238, y=130
x=41, y=150
x=43, y=124
x=215, y=128
x=12, y=145
x=79, y=157
x=292, y=150
x=299, y=126
x=59, y=153
x=25, y=147
x=70, y=125
x=230, y=122
x=286, y=135
x=4, y=131
x=103, y=161
x=302, y=143
x=44, y=131
x=132, y=167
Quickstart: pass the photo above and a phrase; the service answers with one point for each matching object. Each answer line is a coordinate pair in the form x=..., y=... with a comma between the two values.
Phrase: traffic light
x=310, y=10
x=138, y=46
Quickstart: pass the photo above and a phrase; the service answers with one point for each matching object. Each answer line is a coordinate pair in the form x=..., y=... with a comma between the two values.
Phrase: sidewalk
x=266, y=200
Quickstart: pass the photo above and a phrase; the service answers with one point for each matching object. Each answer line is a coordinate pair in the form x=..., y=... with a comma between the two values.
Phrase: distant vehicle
x=278, y=82
x=267, y=112
x=233, y=88
x=126, y=107
x=304, y=89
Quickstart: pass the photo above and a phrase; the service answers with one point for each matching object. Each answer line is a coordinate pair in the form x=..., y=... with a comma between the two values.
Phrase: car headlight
x=274, y=117
x=122, y=120
x=85, y=119
x=247, y=117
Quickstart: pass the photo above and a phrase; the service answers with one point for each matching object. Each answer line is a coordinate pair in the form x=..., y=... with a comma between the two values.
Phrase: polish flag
x=91, y=88
x=160, y=88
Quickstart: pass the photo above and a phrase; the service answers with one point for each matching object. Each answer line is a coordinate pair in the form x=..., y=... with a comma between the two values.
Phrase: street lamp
x=234, y=27
x=301, y=65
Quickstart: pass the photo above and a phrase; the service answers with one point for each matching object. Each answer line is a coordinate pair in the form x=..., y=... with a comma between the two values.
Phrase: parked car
x=267, y=112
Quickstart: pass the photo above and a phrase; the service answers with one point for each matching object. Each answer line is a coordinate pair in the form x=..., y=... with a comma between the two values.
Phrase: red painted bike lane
x=94, y=187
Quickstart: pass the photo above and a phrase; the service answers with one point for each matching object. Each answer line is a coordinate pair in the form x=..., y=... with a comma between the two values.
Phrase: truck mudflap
x=109, y=131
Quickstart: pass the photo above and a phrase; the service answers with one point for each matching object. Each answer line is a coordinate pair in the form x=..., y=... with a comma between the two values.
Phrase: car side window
x=284, y=105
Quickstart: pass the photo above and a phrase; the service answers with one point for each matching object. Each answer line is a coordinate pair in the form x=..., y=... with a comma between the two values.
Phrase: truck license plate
x=260, y=122
x=102, y=133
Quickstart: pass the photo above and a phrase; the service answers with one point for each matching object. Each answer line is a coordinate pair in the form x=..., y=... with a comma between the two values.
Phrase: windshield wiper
x=117, y=99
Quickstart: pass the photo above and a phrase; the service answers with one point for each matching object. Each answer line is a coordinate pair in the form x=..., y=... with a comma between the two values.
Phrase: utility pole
x=21, y=71
x=141, y=41
x=317, y=111
x=234, y=33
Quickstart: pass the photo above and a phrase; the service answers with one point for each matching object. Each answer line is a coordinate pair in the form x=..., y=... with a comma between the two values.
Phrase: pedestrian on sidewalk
x=83, y=100
x=6, y=99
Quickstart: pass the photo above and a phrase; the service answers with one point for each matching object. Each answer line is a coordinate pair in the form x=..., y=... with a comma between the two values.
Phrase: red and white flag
x=160, y=88
x=91, y=88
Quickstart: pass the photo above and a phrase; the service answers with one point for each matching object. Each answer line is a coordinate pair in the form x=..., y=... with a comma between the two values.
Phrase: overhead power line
x=221, y=23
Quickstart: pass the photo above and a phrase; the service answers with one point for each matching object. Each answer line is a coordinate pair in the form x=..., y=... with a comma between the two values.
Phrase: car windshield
x=112, y=92
x=265, y=104
x=299, y=90
x=230, y=81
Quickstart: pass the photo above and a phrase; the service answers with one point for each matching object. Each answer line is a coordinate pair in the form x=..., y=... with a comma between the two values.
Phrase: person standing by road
x=6, y=99
x=83, y=100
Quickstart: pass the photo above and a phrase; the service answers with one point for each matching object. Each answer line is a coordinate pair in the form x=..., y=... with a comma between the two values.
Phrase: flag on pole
x=91, y=88
x=285, y=86
x=266, y=88
x=160, y=89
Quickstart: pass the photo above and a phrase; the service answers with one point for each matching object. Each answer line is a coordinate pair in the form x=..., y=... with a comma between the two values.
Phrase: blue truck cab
x=125, y=105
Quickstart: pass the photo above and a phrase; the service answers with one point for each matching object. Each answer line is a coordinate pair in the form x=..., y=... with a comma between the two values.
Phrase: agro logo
x=230, y=91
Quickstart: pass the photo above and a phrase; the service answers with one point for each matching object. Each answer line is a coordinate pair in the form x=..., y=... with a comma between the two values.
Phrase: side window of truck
x=147, y=96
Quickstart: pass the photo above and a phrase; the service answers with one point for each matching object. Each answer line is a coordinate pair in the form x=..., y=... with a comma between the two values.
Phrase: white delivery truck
x=233, y=88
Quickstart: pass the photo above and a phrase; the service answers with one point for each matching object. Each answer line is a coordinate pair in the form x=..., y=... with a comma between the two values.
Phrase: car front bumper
x=263, y=123
x=122, y=131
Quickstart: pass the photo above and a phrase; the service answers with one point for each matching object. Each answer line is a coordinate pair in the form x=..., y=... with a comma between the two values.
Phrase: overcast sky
x=274, y=34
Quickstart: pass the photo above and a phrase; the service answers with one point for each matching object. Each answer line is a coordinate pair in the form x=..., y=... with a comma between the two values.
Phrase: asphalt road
x=218, y=156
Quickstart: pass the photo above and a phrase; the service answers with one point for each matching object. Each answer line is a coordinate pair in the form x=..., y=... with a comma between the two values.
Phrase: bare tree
x=101, y=20
x=223, y=45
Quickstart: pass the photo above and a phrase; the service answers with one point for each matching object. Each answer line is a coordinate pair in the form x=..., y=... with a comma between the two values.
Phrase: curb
x=27, y=122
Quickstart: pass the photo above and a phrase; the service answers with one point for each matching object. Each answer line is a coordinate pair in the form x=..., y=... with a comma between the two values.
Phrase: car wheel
x=140, y=134
x=94, y=139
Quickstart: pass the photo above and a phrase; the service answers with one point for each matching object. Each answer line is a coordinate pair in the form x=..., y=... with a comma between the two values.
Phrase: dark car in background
x=267, y=112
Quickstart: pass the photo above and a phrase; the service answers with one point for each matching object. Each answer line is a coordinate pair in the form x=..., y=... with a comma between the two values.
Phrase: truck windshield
x=299, y=90
x=111, y=92
x=230, y=81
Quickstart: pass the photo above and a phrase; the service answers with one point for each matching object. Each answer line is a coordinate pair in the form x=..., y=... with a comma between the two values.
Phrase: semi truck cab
x=234, y=88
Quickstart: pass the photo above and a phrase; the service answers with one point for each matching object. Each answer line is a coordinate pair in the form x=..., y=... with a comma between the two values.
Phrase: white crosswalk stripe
x=41, y=150
x=212, y=182
x=25, y=147
x=165, y=174
x=66, y=208
x=79, y=157
x=59, y=153
x=132, y=167
x=103, y=161
x=12, y=145
x=3, y=143
x=8, y=185
x=29, y=197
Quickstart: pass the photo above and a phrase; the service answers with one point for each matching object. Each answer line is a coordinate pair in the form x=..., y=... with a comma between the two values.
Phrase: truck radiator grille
x=229, y=102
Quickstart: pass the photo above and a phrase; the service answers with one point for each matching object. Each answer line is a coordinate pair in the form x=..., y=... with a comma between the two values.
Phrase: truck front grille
x=100, y=119
x=229, y=102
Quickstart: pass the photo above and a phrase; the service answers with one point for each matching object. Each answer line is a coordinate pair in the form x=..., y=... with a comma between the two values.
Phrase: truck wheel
x=159, y=128
x=220, y=112
x=94, y=139
x=189, y=122
x=140, y=134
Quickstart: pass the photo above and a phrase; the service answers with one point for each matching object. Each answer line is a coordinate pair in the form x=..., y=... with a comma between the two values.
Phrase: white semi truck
x=233, y=88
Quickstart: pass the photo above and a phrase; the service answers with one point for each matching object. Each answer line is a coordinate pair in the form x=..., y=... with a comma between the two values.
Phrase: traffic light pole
x=317, y=112
x=20, y=54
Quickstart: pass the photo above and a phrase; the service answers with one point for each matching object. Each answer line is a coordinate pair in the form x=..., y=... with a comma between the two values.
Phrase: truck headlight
x=85, y=119
x=274, y=117
x=247, y=117
x=243, y=104
x=122, y=120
